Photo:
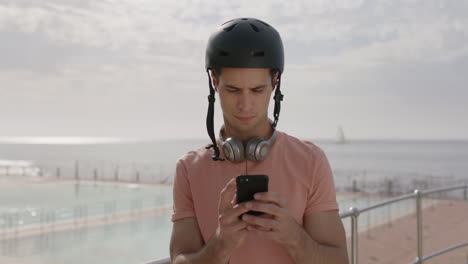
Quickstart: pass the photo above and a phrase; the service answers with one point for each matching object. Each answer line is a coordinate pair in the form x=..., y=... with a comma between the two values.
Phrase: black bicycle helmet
x=243, y=43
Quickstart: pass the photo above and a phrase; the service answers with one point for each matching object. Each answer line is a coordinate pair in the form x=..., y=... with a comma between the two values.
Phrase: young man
x=300, y=224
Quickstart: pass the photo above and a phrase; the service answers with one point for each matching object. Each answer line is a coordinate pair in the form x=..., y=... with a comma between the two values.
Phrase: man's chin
x=246, y=126
x=242, y=125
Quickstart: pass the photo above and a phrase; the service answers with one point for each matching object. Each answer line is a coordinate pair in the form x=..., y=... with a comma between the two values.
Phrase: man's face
x=244, y=95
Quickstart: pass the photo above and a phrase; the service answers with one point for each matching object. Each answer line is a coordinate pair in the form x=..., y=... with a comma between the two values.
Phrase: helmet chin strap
x=278, y=98
x=210, y=120
x=210, y=116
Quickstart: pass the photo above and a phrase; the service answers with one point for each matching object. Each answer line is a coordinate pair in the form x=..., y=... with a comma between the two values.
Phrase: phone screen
x=248, y=185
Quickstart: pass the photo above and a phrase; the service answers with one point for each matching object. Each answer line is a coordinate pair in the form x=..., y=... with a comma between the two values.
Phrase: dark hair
x=217, y=73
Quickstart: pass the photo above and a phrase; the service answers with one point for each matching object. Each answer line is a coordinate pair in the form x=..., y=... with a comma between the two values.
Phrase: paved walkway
x=444, y=224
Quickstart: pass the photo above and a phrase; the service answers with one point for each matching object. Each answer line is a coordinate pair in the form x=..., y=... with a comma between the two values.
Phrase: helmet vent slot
x=230, y=28
x=255, y=28
x=258, y=53
x=262, y=22
x=227, y=22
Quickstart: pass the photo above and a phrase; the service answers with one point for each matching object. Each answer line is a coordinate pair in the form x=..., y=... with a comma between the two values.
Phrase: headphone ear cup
x=252, y=149
x=233, y=149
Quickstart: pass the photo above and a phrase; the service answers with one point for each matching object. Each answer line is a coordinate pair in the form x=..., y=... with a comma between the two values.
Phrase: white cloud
x=125, y=60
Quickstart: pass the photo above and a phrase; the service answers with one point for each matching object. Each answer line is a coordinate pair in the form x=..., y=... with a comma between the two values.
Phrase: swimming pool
x=135, y=240
x=47, y=202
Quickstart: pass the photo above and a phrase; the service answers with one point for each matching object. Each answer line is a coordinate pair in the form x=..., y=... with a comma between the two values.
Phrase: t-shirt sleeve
x=322, y=194
x=182, y=194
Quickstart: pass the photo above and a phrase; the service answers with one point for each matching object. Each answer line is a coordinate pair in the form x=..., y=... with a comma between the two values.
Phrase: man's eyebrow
x=234, y=87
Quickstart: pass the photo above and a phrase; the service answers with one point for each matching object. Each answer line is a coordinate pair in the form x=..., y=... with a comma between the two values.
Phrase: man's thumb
x=227, y=195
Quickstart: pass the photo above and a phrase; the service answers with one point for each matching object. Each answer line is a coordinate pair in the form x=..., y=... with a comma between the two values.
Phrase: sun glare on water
x=62, y=140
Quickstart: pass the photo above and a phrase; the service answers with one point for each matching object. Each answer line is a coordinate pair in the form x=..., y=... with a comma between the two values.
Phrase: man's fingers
x=232, y=215
x=234, y=200
x=239, y=209
x=261, y=228
x=226, y=195
x=272, y=197
x=239, y=226
x=267, y=208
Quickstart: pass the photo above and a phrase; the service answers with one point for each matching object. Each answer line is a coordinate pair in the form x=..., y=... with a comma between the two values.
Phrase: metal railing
x=435, y=254
x=355, y=212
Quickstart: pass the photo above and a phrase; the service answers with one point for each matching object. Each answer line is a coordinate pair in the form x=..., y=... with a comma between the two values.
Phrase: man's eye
x=233, y=90
x=258, y=90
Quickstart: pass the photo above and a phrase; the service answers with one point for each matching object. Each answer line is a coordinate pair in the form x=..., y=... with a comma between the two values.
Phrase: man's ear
x=213, y=80
x=275, y=80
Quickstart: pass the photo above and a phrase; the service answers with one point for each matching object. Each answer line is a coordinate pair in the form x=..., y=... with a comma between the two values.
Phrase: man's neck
x=263, y=130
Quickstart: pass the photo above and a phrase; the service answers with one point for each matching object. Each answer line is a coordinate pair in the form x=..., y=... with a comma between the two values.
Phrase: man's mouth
x=245, y=119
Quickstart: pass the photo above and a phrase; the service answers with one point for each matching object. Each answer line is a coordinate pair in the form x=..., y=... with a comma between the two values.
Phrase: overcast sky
x=135, y=68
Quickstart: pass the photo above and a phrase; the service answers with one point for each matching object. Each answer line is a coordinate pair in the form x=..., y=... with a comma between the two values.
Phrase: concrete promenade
x=444, y=224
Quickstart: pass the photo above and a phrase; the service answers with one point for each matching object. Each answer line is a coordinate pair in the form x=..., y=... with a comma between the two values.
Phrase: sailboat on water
x=340, y=138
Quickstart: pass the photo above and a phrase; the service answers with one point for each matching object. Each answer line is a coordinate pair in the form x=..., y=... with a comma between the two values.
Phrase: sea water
x=147, y=237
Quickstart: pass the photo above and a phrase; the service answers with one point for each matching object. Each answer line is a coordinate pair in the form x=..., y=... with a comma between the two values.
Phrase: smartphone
x=248, y=185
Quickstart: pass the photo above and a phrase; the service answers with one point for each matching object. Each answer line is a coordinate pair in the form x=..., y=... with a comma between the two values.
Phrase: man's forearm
x=212, y=252
x=306, y=250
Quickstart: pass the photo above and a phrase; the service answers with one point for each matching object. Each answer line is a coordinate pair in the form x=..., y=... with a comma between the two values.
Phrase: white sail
x=340, y=138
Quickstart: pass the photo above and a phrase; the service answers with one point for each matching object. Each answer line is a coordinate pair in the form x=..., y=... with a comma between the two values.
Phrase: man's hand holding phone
x=276, y=223
x=231, y=231
x=269, y=218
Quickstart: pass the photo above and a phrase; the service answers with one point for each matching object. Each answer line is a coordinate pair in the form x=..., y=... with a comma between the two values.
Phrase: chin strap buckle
x=278, y=97
x=211, y=99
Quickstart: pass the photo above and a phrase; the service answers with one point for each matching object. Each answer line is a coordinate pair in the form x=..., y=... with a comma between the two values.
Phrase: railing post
x=419, y=226
x=354, y=235
x=464, y=192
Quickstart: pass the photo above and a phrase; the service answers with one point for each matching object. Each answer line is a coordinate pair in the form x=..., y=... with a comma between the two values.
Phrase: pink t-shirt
x=298, y=170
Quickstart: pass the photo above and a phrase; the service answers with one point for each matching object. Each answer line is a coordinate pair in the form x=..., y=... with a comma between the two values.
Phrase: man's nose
x=245, y=102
